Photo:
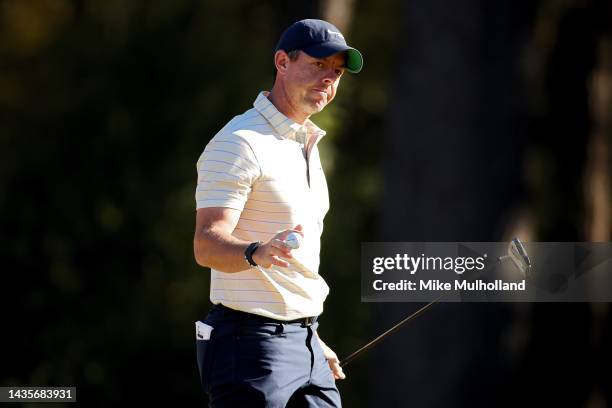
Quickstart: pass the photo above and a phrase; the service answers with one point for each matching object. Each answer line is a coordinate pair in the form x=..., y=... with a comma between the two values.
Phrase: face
x=311, y=83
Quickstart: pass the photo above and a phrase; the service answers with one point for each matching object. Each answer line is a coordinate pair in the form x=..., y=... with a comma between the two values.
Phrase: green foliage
x=105, y=108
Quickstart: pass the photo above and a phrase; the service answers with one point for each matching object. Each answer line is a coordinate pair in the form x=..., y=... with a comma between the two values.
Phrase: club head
x=518, y=254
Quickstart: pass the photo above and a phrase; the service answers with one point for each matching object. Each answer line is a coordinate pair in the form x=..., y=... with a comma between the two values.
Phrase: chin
x=316, y=106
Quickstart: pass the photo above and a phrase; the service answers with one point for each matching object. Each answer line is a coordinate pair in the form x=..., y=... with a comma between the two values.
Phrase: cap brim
x=354, y=59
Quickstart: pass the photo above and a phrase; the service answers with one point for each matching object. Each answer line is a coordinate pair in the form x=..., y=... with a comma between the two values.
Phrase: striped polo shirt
x=257, y=164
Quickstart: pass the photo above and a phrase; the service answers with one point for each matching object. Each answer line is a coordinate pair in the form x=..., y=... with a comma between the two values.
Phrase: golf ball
x=293, y=240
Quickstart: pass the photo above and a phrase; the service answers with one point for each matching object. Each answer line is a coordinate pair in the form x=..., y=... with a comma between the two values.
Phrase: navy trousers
x=250, y=361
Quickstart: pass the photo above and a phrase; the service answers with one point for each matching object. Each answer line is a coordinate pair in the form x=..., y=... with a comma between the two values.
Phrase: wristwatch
x=249, y=251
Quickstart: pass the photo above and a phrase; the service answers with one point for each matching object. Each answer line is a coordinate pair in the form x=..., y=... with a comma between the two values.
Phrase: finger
x=283, y=234
x=337, y=370
x=280, y=252
x=279, y=262
x=338, y=375
x=299, y=229
x=280, y=244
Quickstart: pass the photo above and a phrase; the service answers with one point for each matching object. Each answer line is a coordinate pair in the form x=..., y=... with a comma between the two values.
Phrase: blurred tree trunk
x=339, y=13
x=563, y=132
x=599, y=196
x=452, y=173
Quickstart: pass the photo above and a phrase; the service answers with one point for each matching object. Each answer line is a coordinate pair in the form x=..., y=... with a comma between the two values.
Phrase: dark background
x=472, y=121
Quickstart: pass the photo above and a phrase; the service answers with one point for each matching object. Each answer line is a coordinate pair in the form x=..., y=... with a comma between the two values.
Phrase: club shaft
x=378, y=339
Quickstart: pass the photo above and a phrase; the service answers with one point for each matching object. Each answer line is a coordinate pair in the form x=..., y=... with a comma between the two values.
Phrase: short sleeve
x=227, y=170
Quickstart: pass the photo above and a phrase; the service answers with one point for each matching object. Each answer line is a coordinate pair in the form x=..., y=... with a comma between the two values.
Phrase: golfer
x=259, y=180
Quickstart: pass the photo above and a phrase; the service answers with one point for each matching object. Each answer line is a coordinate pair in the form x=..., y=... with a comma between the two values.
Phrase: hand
x=332, y=360
x=271, y=252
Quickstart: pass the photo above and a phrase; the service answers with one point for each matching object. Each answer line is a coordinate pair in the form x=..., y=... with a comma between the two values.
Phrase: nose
x=330, y=76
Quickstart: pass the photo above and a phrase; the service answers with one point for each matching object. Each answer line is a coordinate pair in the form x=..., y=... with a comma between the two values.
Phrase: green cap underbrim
x=354, y=61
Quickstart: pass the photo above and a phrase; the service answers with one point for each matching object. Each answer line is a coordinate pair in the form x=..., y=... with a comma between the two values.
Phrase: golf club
x=518, y=255
x=516, y=252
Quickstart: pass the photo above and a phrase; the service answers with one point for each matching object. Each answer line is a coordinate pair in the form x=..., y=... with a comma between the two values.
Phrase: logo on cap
x=336, y=33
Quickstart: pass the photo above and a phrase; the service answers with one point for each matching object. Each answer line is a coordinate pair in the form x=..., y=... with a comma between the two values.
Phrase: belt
x=303, y=321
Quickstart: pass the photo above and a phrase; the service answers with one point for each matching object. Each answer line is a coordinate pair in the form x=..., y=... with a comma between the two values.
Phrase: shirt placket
x=301, y=137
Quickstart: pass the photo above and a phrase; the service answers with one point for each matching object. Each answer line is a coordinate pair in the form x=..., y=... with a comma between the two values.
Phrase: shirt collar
x=287, y=128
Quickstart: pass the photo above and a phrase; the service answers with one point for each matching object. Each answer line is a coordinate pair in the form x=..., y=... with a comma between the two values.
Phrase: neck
x=278, y=97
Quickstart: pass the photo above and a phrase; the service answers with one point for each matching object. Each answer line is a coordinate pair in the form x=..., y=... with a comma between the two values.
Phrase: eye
x=319, y=64
x=339, y=72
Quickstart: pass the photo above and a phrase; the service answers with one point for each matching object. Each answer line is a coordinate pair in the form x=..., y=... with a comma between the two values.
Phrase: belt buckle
x=308, y=321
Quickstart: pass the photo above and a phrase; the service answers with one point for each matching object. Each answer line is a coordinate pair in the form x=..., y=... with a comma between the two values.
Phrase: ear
x=281, y=61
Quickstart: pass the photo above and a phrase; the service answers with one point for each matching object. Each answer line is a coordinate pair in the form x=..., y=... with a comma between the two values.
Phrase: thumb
x=299, y=228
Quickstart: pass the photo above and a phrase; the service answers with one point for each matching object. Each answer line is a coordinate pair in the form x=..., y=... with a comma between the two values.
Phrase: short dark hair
x=293, y=55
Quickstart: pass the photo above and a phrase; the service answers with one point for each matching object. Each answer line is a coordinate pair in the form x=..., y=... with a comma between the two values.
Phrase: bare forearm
x=221, y=251
x=214, y=245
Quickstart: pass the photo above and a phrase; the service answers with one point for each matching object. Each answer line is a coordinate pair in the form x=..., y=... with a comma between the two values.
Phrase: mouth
x=319, y=91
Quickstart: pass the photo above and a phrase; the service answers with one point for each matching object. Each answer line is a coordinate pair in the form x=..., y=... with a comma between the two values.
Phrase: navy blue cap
x=319, y=39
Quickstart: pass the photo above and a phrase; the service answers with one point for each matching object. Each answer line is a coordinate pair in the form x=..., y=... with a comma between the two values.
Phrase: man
x=259, y=179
